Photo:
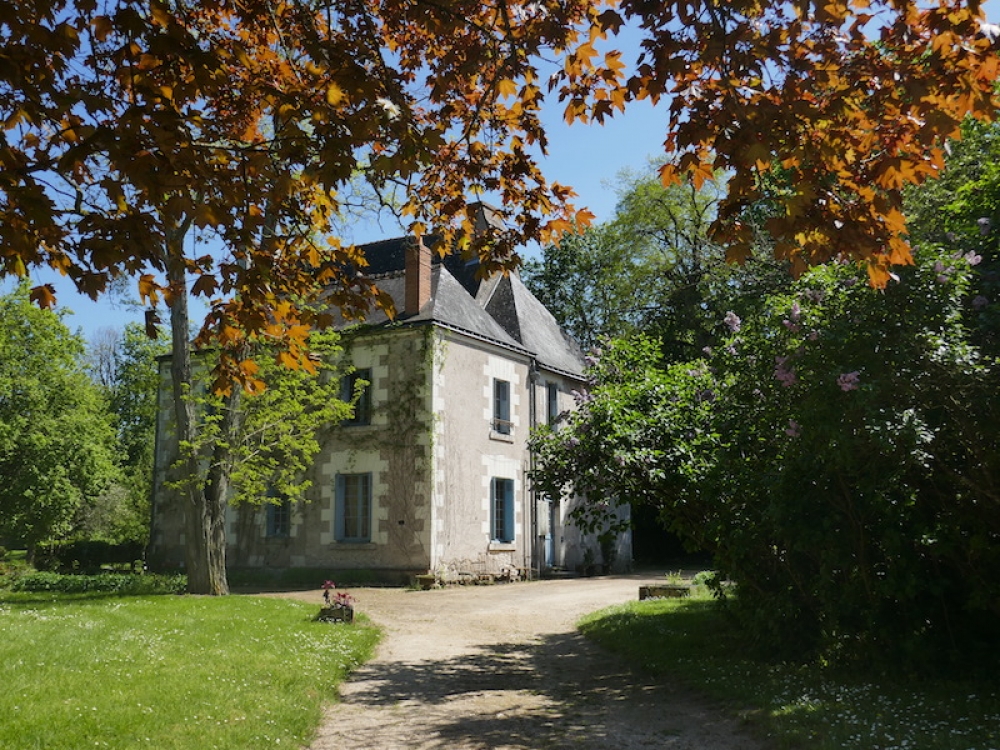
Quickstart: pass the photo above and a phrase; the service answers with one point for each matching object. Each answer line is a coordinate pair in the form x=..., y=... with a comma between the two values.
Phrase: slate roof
x=500, y=309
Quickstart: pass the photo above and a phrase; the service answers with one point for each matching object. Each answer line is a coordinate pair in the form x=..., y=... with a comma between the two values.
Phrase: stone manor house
x=431, y=472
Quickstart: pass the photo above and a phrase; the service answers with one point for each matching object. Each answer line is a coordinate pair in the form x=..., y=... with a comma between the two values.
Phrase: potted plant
x=339, y=606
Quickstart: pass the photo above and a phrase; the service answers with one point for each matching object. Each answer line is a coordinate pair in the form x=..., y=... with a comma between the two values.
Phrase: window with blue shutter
x=353, y=512
x=502, y=510
x=501, y=407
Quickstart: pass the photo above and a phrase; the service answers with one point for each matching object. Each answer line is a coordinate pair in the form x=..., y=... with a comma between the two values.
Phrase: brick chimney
x=418, y=277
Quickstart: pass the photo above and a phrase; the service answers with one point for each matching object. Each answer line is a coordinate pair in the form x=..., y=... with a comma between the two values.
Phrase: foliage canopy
x=128, y=123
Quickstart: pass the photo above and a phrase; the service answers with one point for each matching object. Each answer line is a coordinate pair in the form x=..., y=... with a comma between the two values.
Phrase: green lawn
x=798, y=706
x=168, y=672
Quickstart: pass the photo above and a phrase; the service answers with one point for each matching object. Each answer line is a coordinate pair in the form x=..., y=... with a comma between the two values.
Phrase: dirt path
x=503, y=667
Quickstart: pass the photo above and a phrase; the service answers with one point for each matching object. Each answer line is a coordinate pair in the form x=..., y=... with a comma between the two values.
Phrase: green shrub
x=88, y=554
x=110, y=583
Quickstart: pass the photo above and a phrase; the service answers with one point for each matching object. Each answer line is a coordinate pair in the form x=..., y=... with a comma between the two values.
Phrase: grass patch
x=168, y=672
x=798, y=706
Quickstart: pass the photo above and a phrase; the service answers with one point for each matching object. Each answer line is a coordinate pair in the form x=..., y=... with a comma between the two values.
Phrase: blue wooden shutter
x=508, y=508
x=365, y=509
x=339, y=508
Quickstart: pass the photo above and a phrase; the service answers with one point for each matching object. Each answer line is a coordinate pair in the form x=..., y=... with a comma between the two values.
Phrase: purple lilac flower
x=794, y=429
x=732, y=321
x=973, y=258
x=783, y=373
x=849, y=381
x=984, y=225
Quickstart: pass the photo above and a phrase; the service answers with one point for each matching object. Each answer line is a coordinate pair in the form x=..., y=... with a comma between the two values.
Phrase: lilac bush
x=837, y=450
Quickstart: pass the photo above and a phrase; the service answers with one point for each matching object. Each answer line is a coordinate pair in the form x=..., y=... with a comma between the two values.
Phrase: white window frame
x=353, y=507
x=502, y=424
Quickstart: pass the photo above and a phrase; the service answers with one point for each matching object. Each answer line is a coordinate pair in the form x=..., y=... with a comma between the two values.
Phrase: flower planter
x=664, y=591
x=337, y=613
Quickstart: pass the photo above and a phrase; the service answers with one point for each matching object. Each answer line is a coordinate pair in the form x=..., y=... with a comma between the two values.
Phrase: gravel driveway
x=503, y=667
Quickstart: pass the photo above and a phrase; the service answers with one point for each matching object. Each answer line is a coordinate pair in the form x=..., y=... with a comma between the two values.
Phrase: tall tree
x=651, y=269
x=133, y=398
x=592, y=283
x=56, y=439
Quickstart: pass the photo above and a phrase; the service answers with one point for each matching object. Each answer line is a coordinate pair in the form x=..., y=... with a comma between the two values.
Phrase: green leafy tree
x=590, y=283
x=852, y=496
x=643, y=270
x=56, y=438
x=133, y=398
x=282, y=426
x=651, y=269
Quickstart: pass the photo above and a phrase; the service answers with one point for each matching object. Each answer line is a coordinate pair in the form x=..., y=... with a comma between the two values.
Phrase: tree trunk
x=204, y=500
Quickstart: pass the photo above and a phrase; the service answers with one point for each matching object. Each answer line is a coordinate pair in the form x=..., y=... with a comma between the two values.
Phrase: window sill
x=502, y=437
x=354, y=546
x=496, y=546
